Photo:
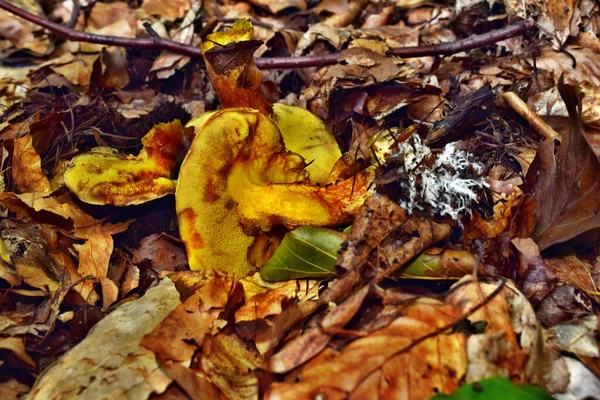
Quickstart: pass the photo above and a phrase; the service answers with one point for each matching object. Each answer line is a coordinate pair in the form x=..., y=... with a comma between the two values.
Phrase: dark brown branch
x=71, y=34
x=470, y=43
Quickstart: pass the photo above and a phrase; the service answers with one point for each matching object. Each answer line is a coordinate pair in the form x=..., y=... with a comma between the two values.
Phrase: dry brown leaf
x=119, y=28
x=115, y=75
x=274, y=6
x=21, y=33
x=105, y=14
x=109, y=361
x=585, y=69
x=566, y=188
x=167, y=63
x=404, y=368
x=312, y=341
x=169, y=10
x=17, y=347
x=11, y=388
x=179, y=335
x=27, y=167
x=68, y=68
x=195, y=384
x=273, y=298
x=229, y=364
x=110, y=292
x=162, y=252
x=94, y=254
x=571, y=269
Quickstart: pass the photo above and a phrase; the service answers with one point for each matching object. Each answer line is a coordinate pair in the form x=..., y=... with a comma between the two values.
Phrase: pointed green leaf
x=426, y=266
x=495, y=389
x=306, y=252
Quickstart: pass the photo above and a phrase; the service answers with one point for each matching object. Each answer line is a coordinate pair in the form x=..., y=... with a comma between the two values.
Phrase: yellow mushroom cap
x=104, y=176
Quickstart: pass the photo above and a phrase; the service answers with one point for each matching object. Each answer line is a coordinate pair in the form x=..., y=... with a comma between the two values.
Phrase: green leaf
x=424, y=266
x=306, y=252
x=495, y=389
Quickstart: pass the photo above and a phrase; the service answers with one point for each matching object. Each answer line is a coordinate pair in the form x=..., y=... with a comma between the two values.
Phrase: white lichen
x=444, y=184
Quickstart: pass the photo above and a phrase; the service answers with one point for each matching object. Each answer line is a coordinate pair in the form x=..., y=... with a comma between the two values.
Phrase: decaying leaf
x=567, y=185
x=27, y=169
x=248, y=170
x=389, y=363
x=109, y=361
x=183, y=331
x=105, y=176
x=230, y=364
x=17, y=347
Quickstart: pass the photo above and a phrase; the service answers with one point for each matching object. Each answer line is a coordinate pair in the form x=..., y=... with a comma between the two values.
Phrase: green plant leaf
x=306, y=252
x=495, y=389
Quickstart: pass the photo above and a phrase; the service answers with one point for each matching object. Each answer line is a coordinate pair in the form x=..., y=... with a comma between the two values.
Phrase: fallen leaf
x=17, y=347
x=565, y=189
x=162, y=251
x=183, y=331
x=110, y=361
x=170, y=10
x=306, y=252
x=229, y=364
x=27, y=167
x=390, y=362
x=279, y=5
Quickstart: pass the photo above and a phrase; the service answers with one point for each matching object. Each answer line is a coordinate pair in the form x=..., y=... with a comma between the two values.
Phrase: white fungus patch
x=443, y=185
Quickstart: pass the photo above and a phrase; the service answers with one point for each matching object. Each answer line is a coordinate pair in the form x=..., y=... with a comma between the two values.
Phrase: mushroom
x=105, y=176
x=238, y=179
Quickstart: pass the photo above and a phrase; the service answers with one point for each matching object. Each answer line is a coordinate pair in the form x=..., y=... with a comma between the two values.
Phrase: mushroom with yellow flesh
x=238, y=179
x=105, y=176
x=303, y=133
x=252, y=165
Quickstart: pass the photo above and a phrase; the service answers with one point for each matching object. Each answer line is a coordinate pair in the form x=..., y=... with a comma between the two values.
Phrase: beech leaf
x=306, y=252
x=568, y=184
x=495, y=389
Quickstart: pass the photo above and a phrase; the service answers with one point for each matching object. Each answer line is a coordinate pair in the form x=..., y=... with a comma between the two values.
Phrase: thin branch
x=458, y=46
x=77, y=36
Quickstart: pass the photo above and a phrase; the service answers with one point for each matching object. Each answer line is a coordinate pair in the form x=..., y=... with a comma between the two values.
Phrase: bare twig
x=534, y=120
x=470, y=43
x=74, y=14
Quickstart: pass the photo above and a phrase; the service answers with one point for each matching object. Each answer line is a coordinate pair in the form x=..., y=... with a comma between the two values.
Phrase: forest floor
x=300, y=199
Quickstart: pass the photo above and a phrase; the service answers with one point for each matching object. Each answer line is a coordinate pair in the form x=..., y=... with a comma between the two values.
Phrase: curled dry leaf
x=229, y=363
x=27, y=167
x=105, y=176
x=566, y=189
x=183, y=331
x=249, y=170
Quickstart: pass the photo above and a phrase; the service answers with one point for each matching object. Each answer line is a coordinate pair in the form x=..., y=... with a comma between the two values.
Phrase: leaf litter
x=415, y=228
